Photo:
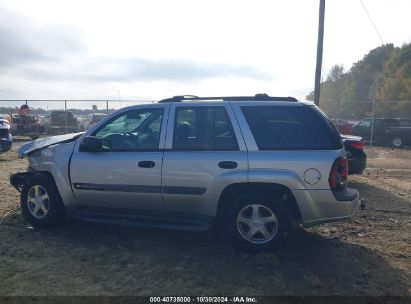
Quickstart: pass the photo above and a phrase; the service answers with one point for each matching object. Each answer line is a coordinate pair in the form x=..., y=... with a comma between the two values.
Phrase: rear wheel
x=41, y=203
x=397, y=142
x=257, y=221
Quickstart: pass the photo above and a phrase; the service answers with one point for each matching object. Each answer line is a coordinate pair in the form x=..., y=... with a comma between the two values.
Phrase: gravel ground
x=368, y=255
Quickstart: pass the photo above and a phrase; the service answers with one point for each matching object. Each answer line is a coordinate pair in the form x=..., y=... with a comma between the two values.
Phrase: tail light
x=339, y=174
x=357, y=145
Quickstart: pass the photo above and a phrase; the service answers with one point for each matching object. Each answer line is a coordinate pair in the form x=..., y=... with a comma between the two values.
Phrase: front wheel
x=41, y=203
x=257, y=222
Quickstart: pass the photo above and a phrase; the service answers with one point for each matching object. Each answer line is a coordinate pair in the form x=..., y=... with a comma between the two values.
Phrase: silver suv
x=251, y=166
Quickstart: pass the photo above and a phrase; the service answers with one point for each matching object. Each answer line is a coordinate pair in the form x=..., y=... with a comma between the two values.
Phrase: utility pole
x=319, y=53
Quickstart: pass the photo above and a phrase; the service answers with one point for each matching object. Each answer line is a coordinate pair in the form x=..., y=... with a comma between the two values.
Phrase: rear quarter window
x=291, y=128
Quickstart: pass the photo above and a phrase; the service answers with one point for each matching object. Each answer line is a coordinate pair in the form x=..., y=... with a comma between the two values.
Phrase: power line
x=372, y=22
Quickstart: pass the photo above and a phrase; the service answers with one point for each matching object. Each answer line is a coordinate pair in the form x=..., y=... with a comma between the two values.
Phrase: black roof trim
x=257, y=97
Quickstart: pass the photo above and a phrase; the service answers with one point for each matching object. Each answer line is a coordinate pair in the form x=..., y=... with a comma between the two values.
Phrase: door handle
x=227, y=164
x=146, y=164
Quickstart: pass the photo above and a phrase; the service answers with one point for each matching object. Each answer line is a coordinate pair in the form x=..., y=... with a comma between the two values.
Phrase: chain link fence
x=50, y=117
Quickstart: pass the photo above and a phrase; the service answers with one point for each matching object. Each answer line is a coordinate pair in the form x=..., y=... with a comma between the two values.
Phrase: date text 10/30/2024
x=203, y=300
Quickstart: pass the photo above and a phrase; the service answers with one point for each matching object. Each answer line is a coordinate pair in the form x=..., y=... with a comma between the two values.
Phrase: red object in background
x=358, y=145
x=345, y=128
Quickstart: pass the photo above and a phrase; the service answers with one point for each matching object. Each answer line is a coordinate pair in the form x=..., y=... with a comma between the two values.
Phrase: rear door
x=289, y=142
x=204, y=153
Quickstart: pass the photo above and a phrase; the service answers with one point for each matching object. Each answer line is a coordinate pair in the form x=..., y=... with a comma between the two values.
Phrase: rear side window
x=405, y=123
x=203, y=129
x=391, y=123
x=290, y=128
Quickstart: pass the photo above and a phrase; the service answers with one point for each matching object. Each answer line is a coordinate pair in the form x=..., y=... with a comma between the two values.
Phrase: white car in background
x=6, y=140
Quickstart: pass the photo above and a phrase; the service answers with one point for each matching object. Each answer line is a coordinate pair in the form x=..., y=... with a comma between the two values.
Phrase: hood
x=45, y=142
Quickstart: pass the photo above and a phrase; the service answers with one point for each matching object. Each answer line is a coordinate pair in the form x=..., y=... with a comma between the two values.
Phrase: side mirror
x=90, y=144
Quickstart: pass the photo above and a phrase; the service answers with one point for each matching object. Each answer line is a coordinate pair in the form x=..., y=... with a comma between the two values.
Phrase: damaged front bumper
x=20, y=179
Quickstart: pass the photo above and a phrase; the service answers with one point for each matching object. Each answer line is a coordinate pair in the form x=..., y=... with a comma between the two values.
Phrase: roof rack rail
x=258, y=97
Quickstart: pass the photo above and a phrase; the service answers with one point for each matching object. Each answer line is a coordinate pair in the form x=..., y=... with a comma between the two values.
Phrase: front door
x=363, y=129
x=126, y=173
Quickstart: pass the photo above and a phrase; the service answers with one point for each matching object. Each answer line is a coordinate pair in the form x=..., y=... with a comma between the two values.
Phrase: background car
x=26, y=125
x=62, y=122
x=395, y=132
x=343, y=126
x=6, y=140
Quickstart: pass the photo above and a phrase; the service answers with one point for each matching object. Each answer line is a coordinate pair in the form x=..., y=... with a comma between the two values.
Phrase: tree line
x=383, y=75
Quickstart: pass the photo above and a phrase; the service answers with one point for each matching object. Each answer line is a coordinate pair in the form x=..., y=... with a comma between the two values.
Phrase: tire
x=262, y=207
x=397, y=142
x=41, y=203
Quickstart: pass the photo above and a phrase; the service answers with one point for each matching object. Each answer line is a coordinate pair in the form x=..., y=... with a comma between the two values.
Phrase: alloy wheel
x=257, y=224
x=38, y=201
x=397, y=142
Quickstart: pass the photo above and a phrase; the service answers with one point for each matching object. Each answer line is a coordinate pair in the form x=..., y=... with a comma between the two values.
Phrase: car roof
x=191, y=100
x=257, y=97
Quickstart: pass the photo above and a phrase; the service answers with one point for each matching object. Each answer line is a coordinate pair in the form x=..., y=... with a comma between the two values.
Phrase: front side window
x=366, y=123
x=203, y=129
x=132, y=130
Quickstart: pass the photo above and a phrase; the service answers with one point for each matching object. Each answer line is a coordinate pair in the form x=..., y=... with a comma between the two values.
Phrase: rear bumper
x=324, y=206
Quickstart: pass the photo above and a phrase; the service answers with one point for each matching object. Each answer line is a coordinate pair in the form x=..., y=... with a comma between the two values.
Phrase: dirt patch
x=368, y=255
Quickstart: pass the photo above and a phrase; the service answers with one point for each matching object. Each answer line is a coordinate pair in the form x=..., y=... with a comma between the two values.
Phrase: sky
x=148, y=50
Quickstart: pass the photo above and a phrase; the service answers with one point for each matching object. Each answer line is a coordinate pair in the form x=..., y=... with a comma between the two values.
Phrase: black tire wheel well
x=56, y=209
x=256, y=221
x=286, y=198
